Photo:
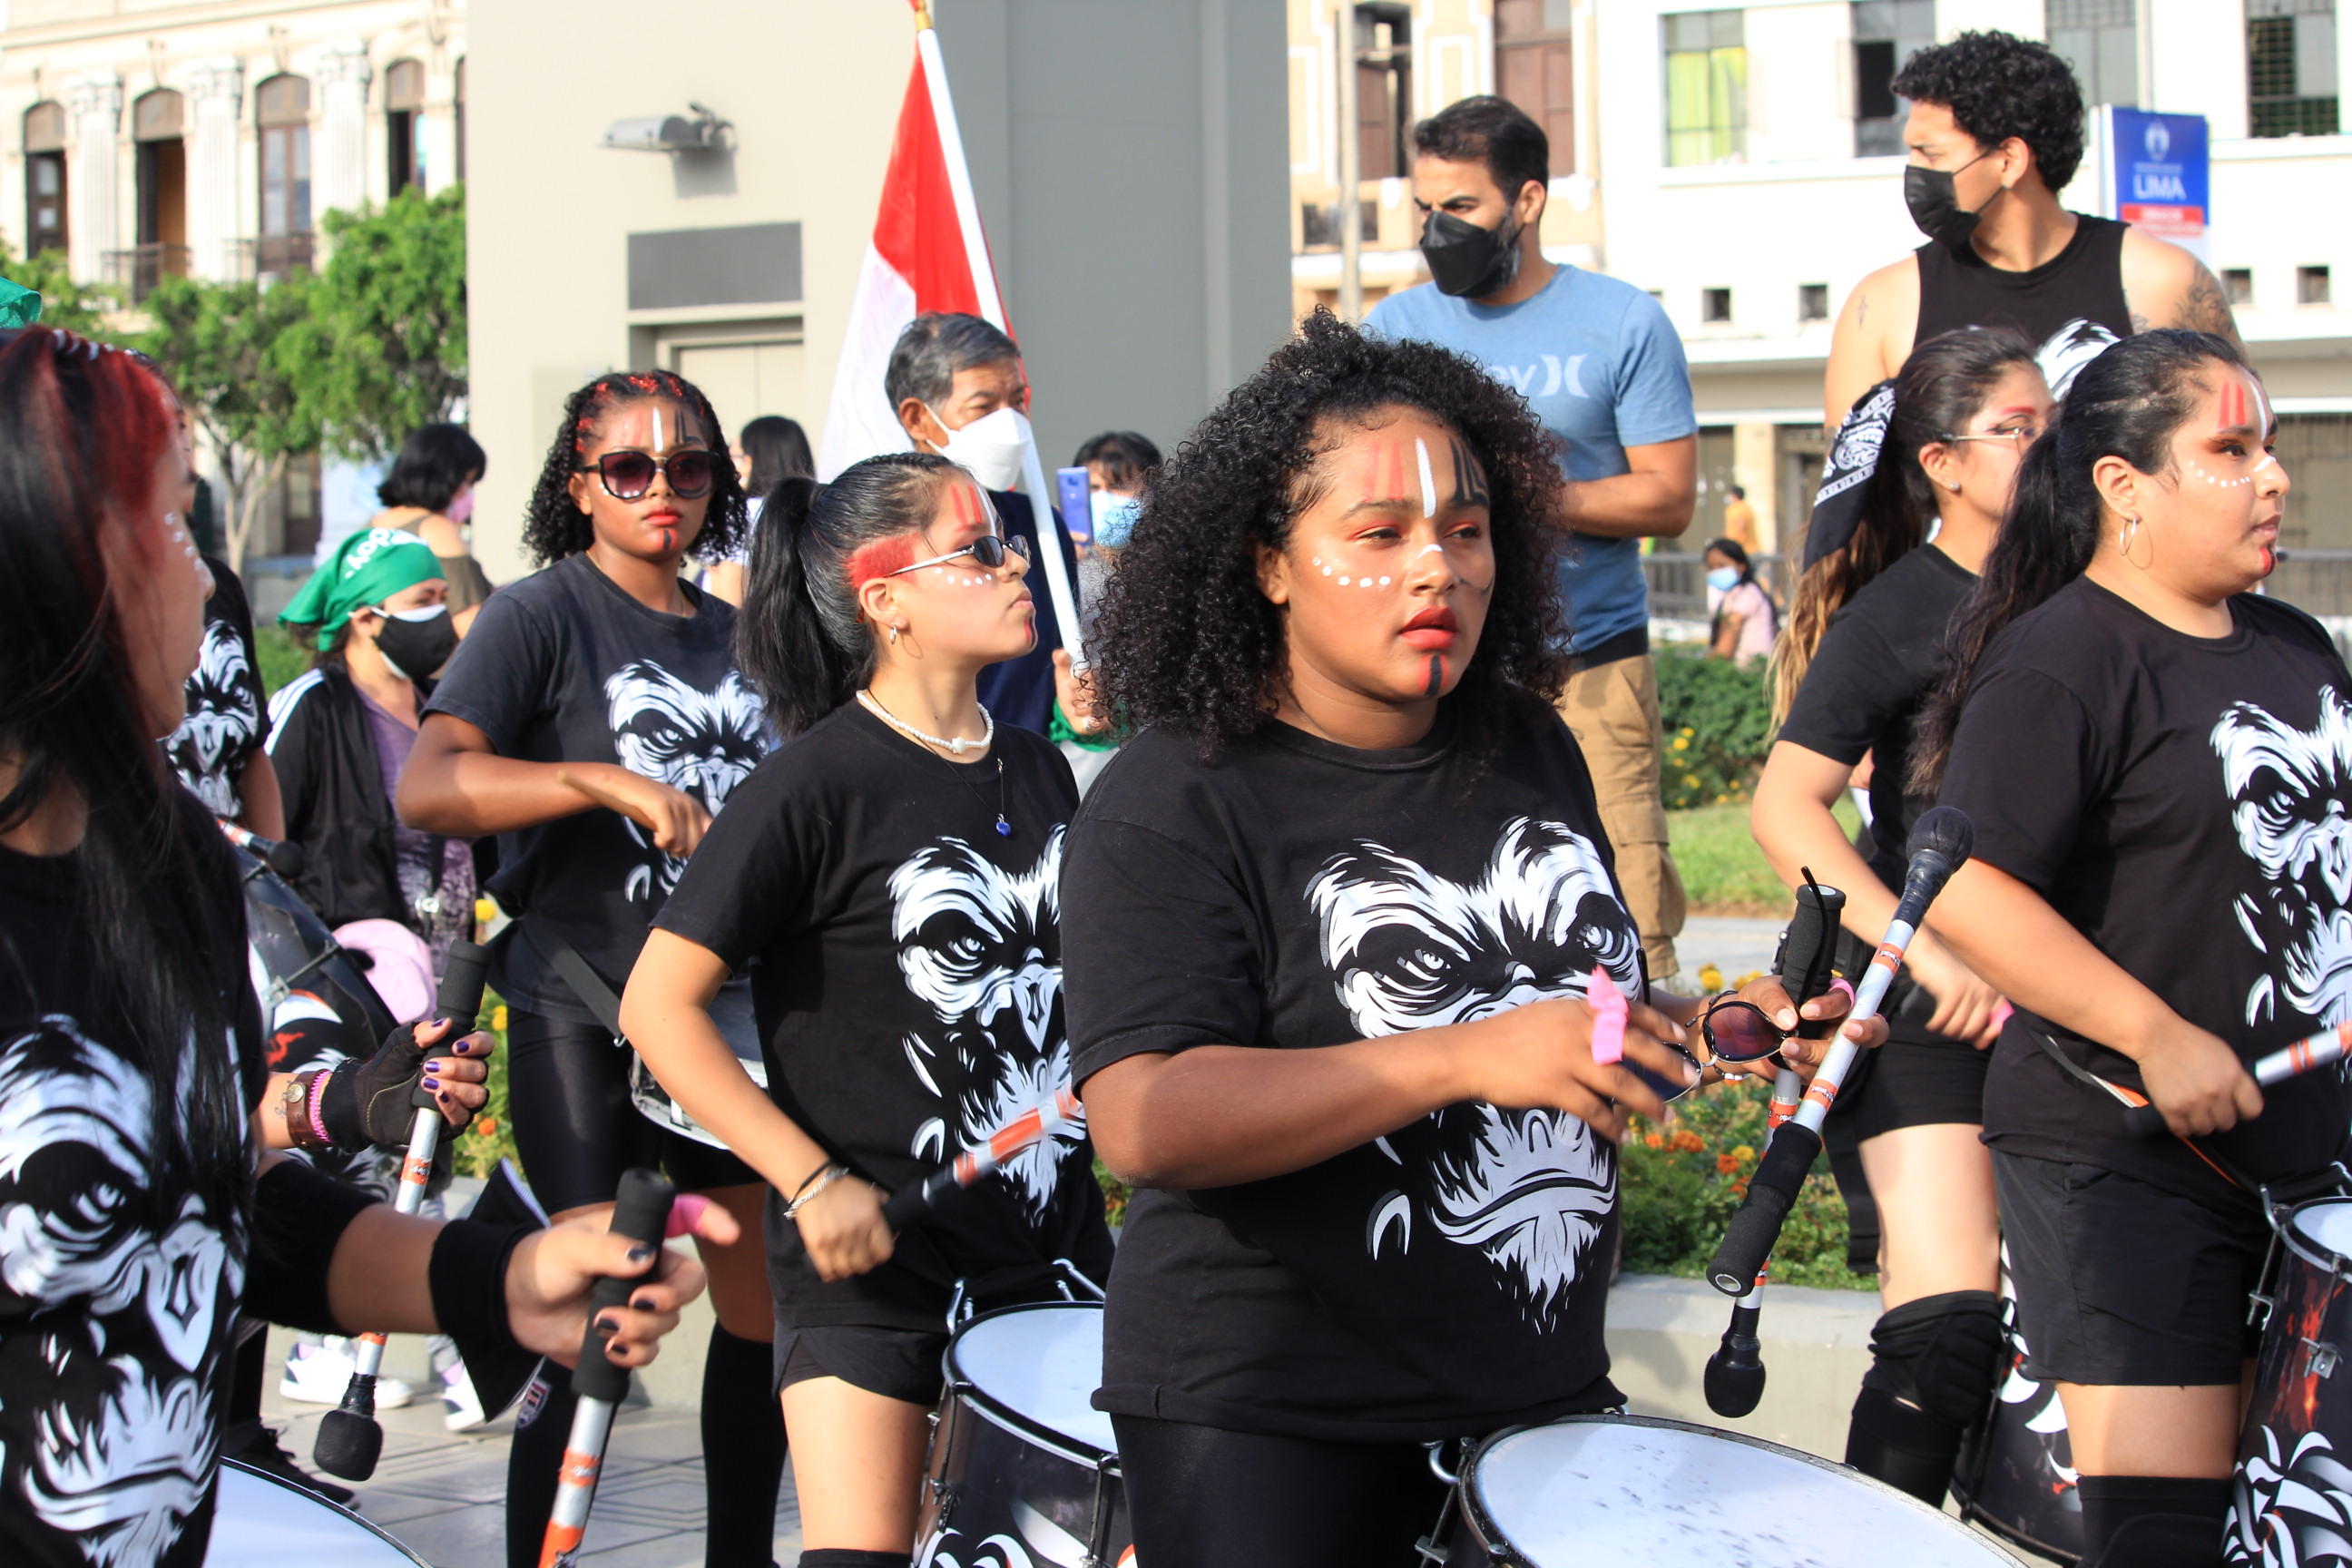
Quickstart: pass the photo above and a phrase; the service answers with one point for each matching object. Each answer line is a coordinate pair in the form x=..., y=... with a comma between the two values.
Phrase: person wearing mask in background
x=1744, y=620
x=220, y=751
x=1600, y=365
x=1739, y=519
x=430, y=494
x=770, y=448
x=960, y=391
x=1995, y=132
x=1116, y=462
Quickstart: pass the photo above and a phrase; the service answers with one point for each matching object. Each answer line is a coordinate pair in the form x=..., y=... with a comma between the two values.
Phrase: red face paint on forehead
x=2235, y=407
x=879, y=558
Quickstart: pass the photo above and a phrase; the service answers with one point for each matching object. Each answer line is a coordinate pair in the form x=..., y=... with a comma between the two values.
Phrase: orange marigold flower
x=1685, y=1142
x=1654, y=1140
x=1725, y=1164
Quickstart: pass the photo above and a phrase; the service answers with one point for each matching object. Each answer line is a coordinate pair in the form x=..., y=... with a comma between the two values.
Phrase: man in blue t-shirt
x=1602, y=370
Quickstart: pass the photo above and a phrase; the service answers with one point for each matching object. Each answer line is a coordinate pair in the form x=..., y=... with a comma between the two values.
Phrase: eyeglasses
x=989, y=550
x=628, y=475
x=2018, y=440
x=1737, y=1031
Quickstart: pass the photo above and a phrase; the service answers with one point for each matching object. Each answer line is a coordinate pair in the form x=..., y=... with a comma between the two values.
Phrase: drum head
x=1042, y=1363
x=1597, y=1490
x=260, y=1521
x=2325, y=1224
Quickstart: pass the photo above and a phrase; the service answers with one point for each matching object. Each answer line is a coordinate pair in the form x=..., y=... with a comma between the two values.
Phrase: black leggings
x=1202, y=1496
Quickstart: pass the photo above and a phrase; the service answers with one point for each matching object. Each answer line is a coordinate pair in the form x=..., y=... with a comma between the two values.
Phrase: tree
x=247, y=377
x=77, y=308
x=386, y=325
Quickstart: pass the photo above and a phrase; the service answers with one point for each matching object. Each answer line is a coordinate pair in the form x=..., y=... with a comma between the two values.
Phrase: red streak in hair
x=879, y=558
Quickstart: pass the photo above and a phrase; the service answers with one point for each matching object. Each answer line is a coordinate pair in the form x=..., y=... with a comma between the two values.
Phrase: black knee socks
x=541, y=1425
x=834, y=1557
x=2153, y=1522
x=742, y=1453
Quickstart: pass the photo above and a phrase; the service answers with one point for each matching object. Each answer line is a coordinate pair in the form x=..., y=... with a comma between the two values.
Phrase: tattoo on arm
x=2204, y=308
x=1860, y=309
x=2139, y=322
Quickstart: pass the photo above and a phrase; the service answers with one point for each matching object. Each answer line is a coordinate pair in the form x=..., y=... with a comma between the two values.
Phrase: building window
x=44, y=178
x=2312, y=286
x=2291, y=67
x=2238, y=282
x=1812, y=301
x=1318, y=224
x=1887, y=33
x=458, y=113
x=157, y=122
x=2100, y=40
x=282, y=104
x=1715, y=306
x=404, y=113
x=1534, y=68
x=1706, y=87
x=1384, y=92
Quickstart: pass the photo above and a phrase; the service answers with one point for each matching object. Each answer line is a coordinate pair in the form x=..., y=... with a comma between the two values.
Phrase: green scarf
x=367, y=568
x=19, y=305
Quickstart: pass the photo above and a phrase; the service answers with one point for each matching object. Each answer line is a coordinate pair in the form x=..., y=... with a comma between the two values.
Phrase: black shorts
x=577, y=1130
x=897, y=1364
x=1914, y=1082
x=2120, y=1282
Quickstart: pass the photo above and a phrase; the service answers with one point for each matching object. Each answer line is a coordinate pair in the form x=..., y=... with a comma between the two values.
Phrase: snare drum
x=2294, y=1502
x=260, y=1521
x=1597, y=1491
x=2016, y=1473
x=1024, y=1468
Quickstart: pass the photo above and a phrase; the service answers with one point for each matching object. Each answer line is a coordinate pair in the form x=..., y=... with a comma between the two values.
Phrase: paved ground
x=1732, y=945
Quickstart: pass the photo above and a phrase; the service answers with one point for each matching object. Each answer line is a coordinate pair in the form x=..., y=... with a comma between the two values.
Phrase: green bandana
x=367, y=569
x=19, y=305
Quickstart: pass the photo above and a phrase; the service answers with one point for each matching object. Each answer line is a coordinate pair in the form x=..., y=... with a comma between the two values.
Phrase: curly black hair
x=1997, y=86
x=1187, y=640
x=555, y=526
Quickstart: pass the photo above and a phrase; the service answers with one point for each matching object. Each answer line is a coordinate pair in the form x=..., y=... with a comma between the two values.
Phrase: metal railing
x=273, y=257
x=1678, y=583
x=136, y=271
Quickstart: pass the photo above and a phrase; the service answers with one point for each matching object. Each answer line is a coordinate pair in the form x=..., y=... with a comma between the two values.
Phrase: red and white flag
x=928, y=254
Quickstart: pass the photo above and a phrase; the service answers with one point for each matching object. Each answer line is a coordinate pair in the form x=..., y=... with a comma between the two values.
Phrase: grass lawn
x=1724, y=872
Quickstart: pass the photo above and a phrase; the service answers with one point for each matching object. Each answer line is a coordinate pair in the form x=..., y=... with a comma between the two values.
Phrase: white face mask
x=989, y=447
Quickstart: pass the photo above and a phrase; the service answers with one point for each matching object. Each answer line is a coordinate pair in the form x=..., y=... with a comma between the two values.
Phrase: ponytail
x=800, y=639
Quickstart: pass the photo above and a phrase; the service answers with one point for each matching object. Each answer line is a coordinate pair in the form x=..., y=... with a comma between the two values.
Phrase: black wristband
x=468, y=1281
x=339, y=1109
x=298, y=1217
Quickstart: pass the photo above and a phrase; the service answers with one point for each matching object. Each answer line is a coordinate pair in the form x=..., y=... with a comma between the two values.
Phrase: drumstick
x=2305, y=1055
x=1939, y=845
x=349, y=1441
x=605, y=798
x=641, y=1213
x=1017, y=1137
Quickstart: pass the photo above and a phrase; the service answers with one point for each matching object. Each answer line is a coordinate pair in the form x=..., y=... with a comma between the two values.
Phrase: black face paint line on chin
x=1436, y=675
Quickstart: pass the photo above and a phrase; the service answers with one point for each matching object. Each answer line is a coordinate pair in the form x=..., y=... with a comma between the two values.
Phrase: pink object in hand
x=685, y=1210
x=1607, y=1004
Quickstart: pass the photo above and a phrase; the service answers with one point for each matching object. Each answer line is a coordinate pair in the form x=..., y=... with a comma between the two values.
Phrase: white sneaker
x=317, y=1375
x=461, y=1407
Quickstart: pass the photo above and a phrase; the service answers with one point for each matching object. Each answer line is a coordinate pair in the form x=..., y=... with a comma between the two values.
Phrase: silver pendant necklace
x=1003, y=826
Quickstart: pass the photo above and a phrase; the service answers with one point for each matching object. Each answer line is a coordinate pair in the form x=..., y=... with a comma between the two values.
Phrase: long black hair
x=800, y=639
x=85, y=427
x=778, y=448
x=1188, y=641
x=1938, y=390
x=555, y=526
x=2128, y=403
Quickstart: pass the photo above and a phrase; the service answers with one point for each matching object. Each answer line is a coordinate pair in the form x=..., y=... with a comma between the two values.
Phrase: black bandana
x=1846, y=477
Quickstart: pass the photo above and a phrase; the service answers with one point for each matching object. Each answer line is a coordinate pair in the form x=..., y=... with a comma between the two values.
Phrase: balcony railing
x=136, y=271
x=273, y=257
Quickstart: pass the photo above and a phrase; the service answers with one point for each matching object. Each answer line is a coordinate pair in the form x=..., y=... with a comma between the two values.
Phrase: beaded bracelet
x=808, y=1190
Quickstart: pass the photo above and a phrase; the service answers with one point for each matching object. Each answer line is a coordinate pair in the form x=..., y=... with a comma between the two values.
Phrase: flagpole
x=991, y=308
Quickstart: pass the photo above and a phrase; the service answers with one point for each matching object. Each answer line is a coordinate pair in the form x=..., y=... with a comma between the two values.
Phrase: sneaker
x=317, y=1375
x=256, y=1445
x=461, y=1407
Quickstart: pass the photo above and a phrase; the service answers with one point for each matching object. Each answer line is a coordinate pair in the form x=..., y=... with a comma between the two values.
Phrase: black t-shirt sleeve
x=2025, y=767
x=499, y=680
x=1853, y=689
x=1159, y=949
x=753, y=878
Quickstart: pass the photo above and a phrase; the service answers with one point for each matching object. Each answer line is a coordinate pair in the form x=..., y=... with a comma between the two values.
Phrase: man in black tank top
x=1995, y=131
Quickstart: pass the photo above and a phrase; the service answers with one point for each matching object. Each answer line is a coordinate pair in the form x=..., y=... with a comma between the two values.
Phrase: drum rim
x=2310, y=1251
x=1474, y=1510
x=307, y=1495
x=1077, y=1450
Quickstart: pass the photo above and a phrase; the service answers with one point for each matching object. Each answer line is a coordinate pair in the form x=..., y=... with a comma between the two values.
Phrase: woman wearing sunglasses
x=1865, y=643
x=593, y=719
x=893, y=869
x=1331, y=917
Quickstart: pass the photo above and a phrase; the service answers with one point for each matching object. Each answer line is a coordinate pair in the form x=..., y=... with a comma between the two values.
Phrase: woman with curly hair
x=1329, y=920
x=595, y=721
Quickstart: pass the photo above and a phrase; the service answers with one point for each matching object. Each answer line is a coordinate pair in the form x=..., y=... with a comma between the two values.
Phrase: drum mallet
x=1939, y=845
x=1734, y=1380
x=2303, y=1056
x=1017, y=1137
x=349, y=1441
x=282, y=857
x=641, y=1213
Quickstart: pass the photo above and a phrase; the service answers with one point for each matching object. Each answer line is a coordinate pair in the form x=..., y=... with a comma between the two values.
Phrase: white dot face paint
x=1384, y=582
x=1343, y=579
x=1428, y=480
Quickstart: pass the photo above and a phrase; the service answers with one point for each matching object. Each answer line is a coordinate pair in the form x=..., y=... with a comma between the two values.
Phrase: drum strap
x=2130, y=1096
x=589, y=986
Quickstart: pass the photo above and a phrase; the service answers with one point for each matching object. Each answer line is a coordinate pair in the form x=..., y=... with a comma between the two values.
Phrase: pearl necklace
x=955, y=745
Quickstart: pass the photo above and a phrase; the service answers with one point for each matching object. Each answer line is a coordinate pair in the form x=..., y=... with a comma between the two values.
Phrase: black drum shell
x=2019, y=1483
x=2292, y=1473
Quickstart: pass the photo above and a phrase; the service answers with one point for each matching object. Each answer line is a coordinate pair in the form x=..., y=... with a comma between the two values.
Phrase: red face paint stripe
x=2234, y=413
x=879, y=558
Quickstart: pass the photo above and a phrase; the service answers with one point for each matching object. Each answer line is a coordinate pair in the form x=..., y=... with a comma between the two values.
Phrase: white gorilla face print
x=1409, y=949
x=222, y=718
x=973, y=945
x=702, y=743
x=2290, y=790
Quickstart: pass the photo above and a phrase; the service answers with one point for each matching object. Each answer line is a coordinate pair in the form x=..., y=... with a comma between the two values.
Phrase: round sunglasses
x=989, y=551
x=628, y=475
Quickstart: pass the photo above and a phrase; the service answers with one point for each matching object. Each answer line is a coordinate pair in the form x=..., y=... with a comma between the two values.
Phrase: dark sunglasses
x=989, y=550
x=1737, y=1031
x=628, y=475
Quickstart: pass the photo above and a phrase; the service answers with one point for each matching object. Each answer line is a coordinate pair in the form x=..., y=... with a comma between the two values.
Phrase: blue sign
x=2158, y=177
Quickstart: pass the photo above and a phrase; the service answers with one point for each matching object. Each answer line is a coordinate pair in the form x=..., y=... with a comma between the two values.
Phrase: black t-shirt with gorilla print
x=909, y=993
x=229, y=717
x=565, y=667
x=119, y=1282
x=2182, y=803
x=1442, y=1280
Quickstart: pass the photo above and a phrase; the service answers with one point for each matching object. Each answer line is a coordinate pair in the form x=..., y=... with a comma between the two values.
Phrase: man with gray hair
x=957, y=386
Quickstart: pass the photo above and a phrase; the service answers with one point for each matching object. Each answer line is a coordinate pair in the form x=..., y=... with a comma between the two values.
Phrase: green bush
x=1717, y=715
x=282, y=659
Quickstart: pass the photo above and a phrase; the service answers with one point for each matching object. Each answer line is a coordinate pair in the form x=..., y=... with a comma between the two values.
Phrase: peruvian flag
x=928, y=254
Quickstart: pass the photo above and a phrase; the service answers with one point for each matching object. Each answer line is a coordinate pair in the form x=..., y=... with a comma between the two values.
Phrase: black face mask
x=1935, y=206
x=417, y=648
x=1466, y=261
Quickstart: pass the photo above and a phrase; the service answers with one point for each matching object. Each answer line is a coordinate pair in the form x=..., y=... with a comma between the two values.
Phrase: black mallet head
x=349, y=1441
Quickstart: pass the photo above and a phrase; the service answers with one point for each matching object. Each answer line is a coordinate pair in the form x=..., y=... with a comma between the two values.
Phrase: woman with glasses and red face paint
x=890, y=875
x=595, y=720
